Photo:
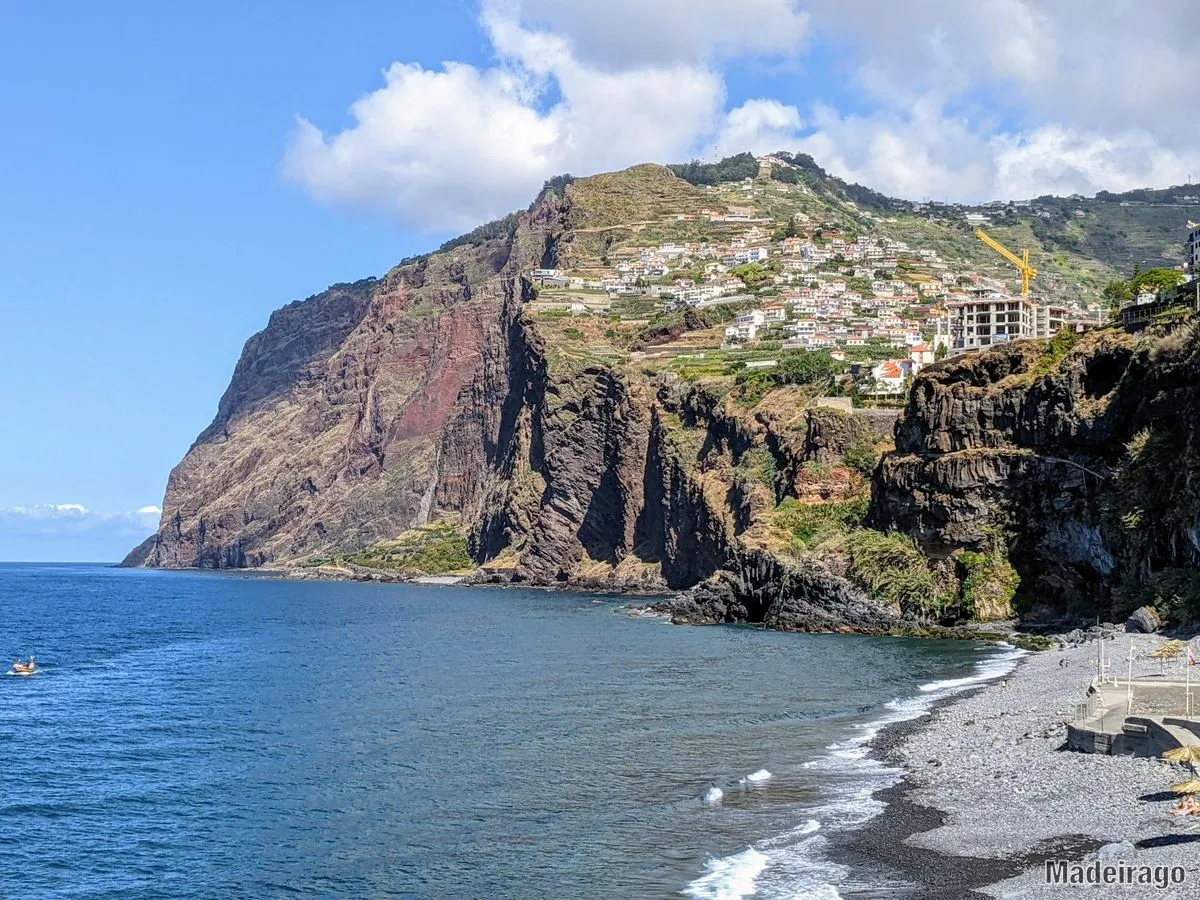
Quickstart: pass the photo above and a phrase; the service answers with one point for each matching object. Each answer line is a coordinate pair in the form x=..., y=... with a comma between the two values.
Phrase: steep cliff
x=430, y=395
x=1078, y=459
x=355, y=414
x=379, y=423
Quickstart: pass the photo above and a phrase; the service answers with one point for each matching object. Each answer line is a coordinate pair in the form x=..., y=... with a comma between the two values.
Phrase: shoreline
x=363, y=575
x=988, y=793
x=920, y=873
x=653, y=595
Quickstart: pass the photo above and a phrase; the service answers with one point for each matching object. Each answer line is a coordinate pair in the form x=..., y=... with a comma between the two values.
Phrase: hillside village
x=784, y=267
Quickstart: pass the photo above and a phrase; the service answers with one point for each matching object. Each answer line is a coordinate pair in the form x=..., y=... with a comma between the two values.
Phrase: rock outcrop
x=1144, y=620
x=1080, y=456
x=356, y=414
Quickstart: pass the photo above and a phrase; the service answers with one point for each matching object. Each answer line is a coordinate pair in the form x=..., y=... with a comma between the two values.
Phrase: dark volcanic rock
x=1083, y=462
x=831, y=432
x=809, y=597
x=1144, y=620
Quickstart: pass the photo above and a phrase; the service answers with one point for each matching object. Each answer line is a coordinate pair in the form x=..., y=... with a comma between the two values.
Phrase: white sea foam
x=792, y=864
x=730, y=877
x=759, y=776
x=713, y=795
x=993, y=668
x=810, y=826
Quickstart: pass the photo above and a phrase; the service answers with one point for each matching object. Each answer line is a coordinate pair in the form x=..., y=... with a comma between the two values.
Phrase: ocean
x=215, y=735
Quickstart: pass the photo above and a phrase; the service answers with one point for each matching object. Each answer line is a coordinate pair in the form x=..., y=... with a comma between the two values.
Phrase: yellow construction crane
x=1028, y=272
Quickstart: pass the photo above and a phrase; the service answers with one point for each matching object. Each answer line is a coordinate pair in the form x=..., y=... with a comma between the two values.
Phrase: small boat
x=29, y=668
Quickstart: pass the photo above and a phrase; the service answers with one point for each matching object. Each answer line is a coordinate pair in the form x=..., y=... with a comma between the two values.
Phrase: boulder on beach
x=1144, y=621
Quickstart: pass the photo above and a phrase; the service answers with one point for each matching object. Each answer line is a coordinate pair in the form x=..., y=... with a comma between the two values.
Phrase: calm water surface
x=204, y=735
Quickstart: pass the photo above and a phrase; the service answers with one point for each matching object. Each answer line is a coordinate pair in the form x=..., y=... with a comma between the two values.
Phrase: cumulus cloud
x=436, y=148
x=74, y=518
x=1012, y=98
x=450, y=147
x=1004, y=98
x=631, y=33
x=759, y=126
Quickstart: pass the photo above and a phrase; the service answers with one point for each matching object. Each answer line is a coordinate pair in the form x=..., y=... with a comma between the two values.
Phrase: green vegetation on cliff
x=894, y=570
x=989, y=584
x=1154, y=494
x=430, y=550
x=1082, y=451
x=808, y=523
x=888, y=565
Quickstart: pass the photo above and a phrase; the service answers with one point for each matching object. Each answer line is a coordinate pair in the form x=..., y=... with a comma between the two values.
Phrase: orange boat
x=29, y=668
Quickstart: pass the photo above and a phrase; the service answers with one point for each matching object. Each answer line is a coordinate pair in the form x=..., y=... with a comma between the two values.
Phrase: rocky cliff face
x=354, y=415
x=1078, y=457
x=432, y=396
x=426, y=395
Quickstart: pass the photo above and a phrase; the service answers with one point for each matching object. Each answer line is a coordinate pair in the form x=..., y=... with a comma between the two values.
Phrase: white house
x=804, y=327
x=747, y=332
x=921, y=355
x=890, y=375
x=754, y=317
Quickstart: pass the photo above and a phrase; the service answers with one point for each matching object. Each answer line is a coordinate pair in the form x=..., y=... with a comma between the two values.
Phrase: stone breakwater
x=990, y=793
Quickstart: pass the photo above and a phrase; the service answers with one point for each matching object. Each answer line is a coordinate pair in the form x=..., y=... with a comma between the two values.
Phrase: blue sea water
x=211, y=735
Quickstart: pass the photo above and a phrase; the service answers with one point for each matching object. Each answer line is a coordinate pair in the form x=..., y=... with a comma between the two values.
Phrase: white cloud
x=760, y=126
x=1028, y=98
x=448, y=148
x=1001, y=98
x=1057, y=160
x=439, y=149
x=635, y=33
x=74, y=518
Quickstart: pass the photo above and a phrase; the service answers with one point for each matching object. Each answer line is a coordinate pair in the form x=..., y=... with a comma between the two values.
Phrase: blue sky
x=171, y=173
x=147, y=233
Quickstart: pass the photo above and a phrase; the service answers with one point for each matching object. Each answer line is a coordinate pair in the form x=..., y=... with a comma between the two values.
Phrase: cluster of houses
x=699, y=272
x=823, y=292
x=822, y=323
x=806, y=325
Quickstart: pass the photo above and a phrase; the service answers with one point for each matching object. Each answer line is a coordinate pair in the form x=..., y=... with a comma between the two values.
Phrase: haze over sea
x=205, y=735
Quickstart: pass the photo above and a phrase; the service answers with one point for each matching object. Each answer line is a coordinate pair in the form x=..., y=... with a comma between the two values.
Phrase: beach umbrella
x=1191, y=786
x=1188, y=754
x=1169, y=650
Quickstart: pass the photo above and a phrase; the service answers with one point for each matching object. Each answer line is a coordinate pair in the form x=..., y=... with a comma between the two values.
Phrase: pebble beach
x=990, y=794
